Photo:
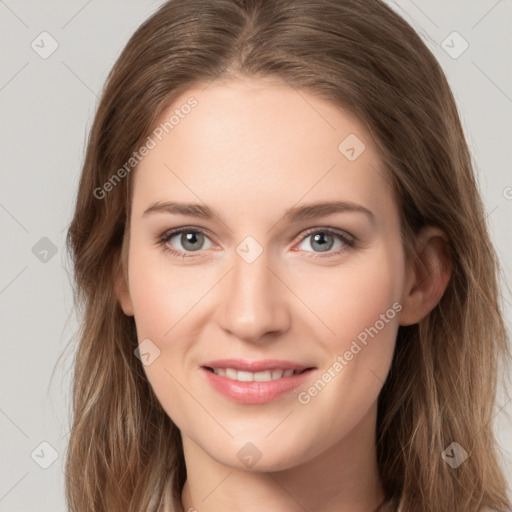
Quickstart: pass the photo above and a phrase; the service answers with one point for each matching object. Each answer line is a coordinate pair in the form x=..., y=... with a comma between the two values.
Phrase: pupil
x=190, y=240
x=323, y=246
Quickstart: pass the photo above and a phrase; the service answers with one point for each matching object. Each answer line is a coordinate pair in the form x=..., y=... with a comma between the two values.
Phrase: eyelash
x=349, y=242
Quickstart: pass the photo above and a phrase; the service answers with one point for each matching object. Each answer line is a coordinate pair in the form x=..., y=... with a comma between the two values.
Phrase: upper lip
x=256, y=366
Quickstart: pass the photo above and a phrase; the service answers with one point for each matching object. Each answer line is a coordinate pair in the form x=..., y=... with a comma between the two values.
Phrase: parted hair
x=365, y=58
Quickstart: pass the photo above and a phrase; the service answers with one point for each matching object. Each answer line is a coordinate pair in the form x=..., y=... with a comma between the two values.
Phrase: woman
x=252, y=371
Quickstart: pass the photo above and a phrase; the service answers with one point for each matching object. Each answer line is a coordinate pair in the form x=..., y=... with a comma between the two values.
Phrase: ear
x=122, y=290
x=427, y=275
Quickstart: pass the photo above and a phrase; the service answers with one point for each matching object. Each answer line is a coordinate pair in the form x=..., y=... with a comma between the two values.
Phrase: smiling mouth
x=261, y=376
x=269, y=381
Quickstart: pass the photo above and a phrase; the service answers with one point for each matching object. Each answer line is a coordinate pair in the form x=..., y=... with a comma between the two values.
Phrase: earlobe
x=428, y=275
x=122, y=291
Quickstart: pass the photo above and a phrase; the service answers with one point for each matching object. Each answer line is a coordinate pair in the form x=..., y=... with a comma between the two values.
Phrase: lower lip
x=255, y=392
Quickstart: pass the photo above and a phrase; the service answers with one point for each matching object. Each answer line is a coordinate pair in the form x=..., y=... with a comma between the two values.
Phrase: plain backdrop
x=55, y=56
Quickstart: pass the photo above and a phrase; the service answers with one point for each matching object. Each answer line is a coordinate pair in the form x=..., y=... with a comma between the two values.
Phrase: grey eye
x=321, y=241
x=190, y=240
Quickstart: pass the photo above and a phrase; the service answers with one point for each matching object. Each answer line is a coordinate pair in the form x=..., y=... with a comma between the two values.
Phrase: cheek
x=160, y=296
x=163, y=301
x=348, y=299
x=362, y=310
x=343, y=300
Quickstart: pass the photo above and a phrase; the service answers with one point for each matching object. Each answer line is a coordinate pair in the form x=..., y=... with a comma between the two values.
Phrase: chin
x=258, y=456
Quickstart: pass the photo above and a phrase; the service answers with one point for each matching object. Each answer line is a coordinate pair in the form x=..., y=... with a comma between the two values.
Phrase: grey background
x=47, y=106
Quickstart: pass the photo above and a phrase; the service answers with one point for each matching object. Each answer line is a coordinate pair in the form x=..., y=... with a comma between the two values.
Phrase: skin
x=252, y=149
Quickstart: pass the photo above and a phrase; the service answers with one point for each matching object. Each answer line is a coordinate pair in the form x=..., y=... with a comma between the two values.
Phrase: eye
x=324, y=240
x=191, y=240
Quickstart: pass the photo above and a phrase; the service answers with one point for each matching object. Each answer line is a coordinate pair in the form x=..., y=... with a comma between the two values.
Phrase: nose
x=254, y=301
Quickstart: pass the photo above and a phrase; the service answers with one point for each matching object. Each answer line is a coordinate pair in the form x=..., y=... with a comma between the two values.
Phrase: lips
x=255, y=382
x=262, y=376
x=256, y=366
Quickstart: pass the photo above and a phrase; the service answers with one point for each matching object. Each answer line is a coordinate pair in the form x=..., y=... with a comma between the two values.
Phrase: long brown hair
x=359, y=55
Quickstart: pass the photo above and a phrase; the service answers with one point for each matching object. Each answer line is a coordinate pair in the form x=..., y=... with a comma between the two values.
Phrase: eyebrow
x=293, y=214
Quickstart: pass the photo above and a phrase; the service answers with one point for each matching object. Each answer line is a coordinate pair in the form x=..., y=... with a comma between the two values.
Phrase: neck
x=343, y=478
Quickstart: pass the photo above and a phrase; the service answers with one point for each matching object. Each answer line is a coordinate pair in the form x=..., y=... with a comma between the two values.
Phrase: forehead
x=261, y=143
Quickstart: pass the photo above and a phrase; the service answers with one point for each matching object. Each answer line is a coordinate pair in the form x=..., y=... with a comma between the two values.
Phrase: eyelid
x=326, y=229
x=348, y=240
x=171, y=233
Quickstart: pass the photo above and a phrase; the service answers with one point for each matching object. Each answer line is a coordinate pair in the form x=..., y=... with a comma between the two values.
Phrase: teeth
x=277, y=374
x=231, y=373
x=245, y=376
x=263, y=376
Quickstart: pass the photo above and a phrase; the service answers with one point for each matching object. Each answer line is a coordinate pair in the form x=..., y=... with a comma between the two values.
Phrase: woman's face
x=260, y=276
